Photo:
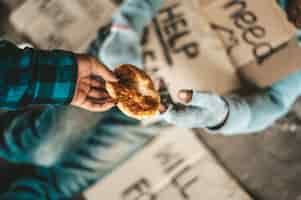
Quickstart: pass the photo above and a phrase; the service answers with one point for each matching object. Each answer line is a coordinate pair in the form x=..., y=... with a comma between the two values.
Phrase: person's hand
x=90, y=93
x=199, y=110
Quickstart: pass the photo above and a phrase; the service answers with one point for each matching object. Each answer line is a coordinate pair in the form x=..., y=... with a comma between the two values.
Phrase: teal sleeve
x=257, y=112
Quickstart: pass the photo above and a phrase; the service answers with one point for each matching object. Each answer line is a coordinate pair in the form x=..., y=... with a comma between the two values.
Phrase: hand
x=90, y=93
x=200, y=110
x=122, y=46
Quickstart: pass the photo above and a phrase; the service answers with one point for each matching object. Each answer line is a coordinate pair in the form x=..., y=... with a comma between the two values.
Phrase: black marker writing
x=139, y=190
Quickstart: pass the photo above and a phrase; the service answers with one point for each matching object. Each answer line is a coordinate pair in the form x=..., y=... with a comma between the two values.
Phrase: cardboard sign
x=259, y=39
x=181, y=48
x=184, y=49
x=251, y=29
x=166, y=169
x=283, y=62
x=67, y=24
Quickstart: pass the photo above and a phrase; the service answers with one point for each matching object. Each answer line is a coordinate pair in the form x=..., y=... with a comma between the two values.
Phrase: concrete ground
x=268, y=165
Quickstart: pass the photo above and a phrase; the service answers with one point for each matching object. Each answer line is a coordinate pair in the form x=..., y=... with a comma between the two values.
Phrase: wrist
x=223, y=119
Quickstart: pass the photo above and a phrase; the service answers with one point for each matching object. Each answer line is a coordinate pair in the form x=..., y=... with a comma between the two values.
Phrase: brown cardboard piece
x=67, y=24
x=185, y=52
x=166, y=169
x=257, y=36
x=180, y=45
x=250, y=29
x=286, y=61
x=254, y=35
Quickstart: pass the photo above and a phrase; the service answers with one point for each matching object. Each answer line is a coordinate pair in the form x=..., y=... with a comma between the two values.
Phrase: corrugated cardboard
x=175, y=166
x=180, y=45
x=283, y=62
x=257, y=36
x=184, y=51
x=251, y=29
x=66, y=24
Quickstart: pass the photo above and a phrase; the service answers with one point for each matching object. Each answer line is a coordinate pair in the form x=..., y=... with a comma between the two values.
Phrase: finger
x=162, y=108
x=94, y=106
x=83, y=87
x=98, y=93
x=102, y=71
x=80, y=98
x=94, y=83
x=185, y=95
x=103, y=101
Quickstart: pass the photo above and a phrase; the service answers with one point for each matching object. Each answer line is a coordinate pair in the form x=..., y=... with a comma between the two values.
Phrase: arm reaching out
x=259, y=111
x=234, y=115
x=31, y=77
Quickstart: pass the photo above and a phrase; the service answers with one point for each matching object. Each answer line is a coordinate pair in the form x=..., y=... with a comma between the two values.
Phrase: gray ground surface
x=267, y=164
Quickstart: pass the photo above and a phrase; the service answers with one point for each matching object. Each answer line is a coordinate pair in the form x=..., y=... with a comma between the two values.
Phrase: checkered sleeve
x=31, y=77
x=27, y=189
x=39, y=183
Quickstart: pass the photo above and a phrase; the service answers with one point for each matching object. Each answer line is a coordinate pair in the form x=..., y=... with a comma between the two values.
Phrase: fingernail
x=162, y=108
x=185, y=95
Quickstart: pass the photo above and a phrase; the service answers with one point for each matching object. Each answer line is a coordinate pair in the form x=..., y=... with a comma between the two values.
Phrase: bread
x=135, y=93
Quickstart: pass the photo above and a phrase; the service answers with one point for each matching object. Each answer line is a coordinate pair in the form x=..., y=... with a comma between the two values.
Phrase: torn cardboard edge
x=251, y=24
x=283, y=63
x=167, y=169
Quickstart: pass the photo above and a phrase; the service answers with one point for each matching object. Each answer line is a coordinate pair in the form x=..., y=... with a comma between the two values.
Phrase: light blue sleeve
x=137, y=13
x=257, y=112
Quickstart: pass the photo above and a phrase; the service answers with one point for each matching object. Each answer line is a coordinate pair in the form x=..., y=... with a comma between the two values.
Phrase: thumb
x=101, y=70
x=185, y=95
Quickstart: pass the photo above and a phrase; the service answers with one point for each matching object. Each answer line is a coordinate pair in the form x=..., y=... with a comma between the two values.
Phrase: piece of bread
x=135, y=93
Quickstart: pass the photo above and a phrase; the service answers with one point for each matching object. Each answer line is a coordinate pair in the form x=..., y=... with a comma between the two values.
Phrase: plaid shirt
x=30, y=77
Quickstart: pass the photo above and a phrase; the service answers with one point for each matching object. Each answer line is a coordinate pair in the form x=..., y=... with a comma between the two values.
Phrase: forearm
x=30, y=77
x=257, y=112
x=137, y=13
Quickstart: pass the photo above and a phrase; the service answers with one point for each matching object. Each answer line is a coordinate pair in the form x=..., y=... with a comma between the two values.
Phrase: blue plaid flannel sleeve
x=38, y=185
x=26, y=189
x=30, y=77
